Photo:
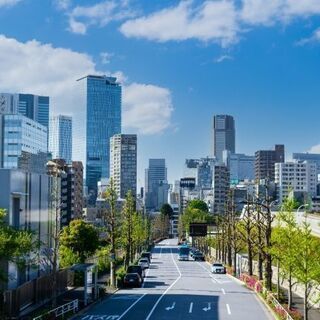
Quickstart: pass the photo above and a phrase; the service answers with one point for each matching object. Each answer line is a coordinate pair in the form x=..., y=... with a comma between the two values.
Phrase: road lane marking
x=126, y=311
x=171, y=308
x=160, y=252
x=160, y=298
x=146, y=275
x=191, y=307
x=228, y=309
x=207, y=308
x=223, y=291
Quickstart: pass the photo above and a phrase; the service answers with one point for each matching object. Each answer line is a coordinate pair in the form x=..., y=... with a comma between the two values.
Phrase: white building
x=123, y=163
x=60, y=137
x=298, y=176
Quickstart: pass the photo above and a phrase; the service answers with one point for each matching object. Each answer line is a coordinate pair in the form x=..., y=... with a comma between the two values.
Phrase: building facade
x=296, y=177
x=60, y=137
x=31, y=106
x=310, y=157
x=103, y=100
x=123, y=163
x=220, y=187
x=23, y=143
x=156, y=185
x=265, y=162
x=224, y=134
x=26, y=201
x=241, y=166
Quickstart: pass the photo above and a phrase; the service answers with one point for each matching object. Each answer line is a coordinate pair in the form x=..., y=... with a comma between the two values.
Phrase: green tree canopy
x=80, y=239
x=14, y=244
x=198, y=204
x=167, y=210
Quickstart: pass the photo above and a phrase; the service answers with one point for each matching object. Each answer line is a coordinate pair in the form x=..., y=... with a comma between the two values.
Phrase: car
x=144, y=263
x=147, y=255
x=193, y=251
x=132, y=280
x=198, y=255
x=218, y=268
x=136, y=269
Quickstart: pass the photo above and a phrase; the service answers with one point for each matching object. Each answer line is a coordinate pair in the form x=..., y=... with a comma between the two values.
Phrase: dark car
x=198, y=255
x=132, y=280
x=147, y=255
x=136, y=269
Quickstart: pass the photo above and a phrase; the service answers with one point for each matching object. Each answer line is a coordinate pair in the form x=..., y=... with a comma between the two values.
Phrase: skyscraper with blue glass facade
x=103, y=100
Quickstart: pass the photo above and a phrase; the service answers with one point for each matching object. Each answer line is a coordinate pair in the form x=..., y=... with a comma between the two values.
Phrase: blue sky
x=180, y=63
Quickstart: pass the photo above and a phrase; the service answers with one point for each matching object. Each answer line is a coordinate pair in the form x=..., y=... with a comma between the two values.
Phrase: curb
x=85, y=309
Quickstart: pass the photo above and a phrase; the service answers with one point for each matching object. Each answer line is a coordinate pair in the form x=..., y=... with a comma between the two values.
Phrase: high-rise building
x=103, y=99
x=297, y=177
x=265, y=161
x=77, y=169
x=223, y=135
x=60, y=137
x=310, y=157
x=23, y=143
x=156, y=185
x=123, y=163
x=32, y=106
x=241, y=166
x=220, y=186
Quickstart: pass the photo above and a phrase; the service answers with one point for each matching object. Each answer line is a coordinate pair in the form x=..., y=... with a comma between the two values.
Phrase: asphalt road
x=180, y=290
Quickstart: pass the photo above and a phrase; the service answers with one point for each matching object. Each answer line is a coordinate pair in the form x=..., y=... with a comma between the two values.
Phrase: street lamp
x=302, y=206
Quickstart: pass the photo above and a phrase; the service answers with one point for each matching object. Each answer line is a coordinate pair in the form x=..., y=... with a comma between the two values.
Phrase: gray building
x=310, y=157
x=103, y=100
x=265, y=161
x=241, y=166
x=32, y=106
x=123, y=163
x=224, y=135
x=220, y=186
x=60, y=137
x=23, y=143
x=156, y=185
x=25, y=199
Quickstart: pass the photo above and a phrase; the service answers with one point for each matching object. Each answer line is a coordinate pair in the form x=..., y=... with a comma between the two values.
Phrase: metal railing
x=278, y=306
x=60, y=311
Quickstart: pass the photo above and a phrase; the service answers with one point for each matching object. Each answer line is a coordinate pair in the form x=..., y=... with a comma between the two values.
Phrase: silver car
x=144, y=263
x=218, y=268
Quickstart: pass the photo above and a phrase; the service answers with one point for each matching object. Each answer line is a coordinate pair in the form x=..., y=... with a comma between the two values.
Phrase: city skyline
x=160, y=105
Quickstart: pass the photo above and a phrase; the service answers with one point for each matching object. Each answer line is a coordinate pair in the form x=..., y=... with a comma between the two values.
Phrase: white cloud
x=99, y=14
x=63, y=4
x=106, y=57
x=214, y=21
x=147, y=108
x=33, y=67
x=8, y=3
x=223, y=58
x=315, y=37
x=314, y=149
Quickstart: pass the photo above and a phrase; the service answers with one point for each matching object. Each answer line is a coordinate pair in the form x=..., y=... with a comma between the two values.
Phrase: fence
x=34, y=292
x=278, y=307
x=62, y=310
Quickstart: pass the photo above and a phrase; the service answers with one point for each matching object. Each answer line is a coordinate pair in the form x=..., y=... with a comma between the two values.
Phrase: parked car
x=147, y=255
x=136, y=269
x=193, y=251
x=198, y=255
x=132, y=280
x=218, y=268
x=144, y=263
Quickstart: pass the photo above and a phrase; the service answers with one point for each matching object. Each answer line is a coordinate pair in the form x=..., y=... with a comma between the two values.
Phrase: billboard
x=198, y=229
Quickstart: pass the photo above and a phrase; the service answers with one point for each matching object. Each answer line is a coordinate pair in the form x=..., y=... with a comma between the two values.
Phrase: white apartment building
x=297, y=176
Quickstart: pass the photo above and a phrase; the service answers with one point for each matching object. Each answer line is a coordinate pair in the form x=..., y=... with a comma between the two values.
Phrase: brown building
x=265, y=162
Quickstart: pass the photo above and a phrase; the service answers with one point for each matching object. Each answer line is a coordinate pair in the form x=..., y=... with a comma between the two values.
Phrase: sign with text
x=198, y=229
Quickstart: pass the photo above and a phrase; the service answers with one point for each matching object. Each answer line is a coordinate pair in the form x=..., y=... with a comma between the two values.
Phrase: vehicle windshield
x=143, y=260
x=133, y=269
x=184, y=250
x=217, y=265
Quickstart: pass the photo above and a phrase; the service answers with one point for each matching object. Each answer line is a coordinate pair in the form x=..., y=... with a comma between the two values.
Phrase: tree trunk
x=250, y=258
x=260, y=265
x=278, y=279
x=235, y=263
x=306, y=308
x=290, y=291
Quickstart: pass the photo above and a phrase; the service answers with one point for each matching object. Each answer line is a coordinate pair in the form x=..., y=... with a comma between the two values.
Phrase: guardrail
x=279, y=307
x=60, y=311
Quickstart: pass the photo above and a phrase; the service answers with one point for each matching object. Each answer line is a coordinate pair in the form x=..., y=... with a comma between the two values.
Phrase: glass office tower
x=60, y=137
x=103, y=99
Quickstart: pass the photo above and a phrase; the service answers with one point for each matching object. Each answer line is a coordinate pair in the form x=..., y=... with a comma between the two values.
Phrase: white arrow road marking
x=207, y=308
x=191, y=307
x=228, y=309
x=172, y=307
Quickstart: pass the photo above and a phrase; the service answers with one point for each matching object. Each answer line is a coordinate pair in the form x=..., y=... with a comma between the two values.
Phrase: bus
x=184, y=253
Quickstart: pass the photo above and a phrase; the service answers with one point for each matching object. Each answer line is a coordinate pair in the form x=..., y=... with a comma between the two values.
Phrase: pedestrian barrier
x=60, y=311
x=278, y=307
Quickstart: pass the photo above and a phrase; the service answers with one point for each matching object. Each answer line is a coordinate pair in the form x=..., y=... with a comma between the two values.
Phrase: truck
x=184, y=253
